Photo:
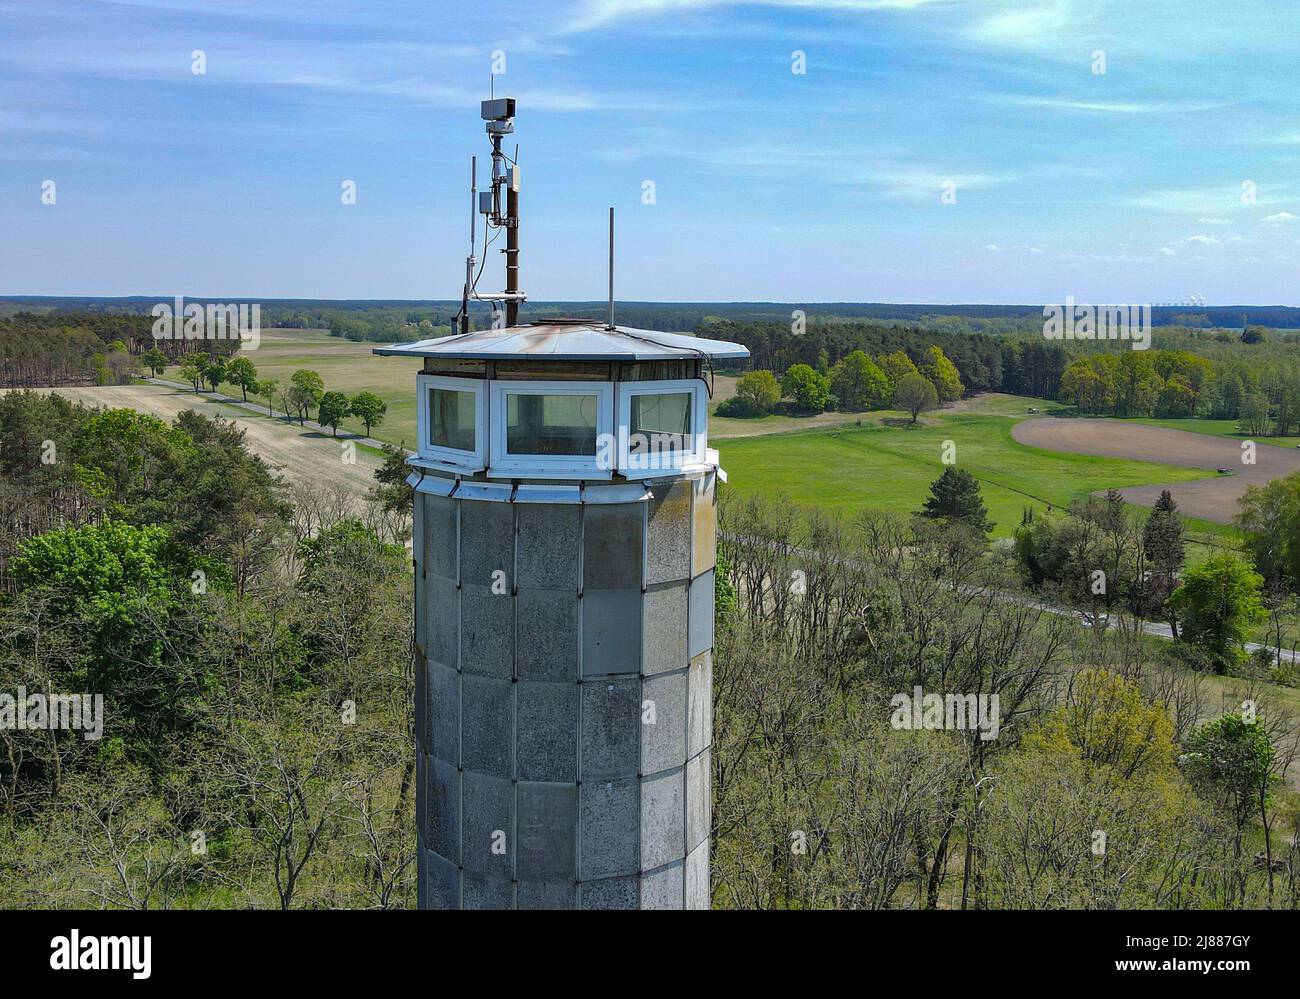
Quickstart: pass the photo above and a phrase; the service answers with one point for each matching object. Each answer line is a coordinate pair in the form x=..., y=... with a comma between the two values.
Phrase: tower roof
x=568, y=340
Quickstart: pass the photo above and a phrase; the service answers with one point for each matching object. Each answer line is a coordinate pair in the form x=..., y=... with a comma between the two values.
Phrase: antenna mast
x=499, y=113
x=471, y=260
x=512, y=237
x=610, y=323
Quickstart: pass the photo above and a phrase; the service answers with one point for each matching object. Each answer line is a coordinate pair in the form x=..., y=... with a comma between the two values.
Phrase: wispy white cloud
x=1019, y=26
x=914, y=182
x=1204, y=200
x=603, y=13
x=1278, y=218
x=396, y=71
x=1109, y=107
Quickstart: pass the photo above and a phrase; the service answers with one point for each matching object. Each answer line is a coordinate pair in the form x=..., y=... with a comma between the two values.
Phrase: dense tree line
x=91, y=348
x=65, y=465
x=1252, y=377
x=1025, y=365
x=252, y=641
x=779, y=346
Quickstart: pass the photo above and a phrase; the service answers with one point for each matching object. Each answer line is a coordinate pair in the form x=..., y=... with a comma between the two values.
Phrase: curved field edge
x=890, y=468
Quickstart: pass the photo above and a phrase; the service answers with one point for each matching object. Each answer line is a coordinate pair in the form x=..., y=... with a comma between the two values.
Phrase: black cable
x=463, y=313
x=708, y=385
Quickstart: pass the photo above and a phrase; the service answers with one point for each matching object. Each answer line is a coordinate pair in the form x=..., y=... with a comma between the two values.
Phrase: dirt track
x=299, y=455
x=1213, y=498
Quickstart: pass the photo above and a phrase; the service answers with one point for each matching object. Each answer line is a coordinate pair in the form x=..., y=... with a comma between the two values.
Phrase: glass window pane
x=669, y=413
x=551, y=424
x=451, y=419
x=660, y=422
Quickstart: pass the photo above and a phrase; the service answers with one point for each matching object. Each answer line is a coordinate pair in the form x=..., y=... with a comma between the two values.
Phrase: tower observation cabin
x=564, y=547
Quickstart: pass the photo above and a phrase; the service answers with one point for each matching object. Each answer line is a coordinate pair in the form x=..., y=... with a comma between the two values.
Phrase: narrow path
x=261, y=410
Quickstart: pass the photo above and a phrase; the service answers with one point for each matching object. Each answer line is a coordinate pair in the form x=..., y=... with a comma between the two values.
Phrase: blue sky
x=823, y=186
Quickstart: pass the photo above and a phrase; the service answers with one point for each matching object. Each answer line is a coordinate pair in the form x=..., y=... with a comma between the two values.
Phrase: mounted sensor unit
x=499, y=109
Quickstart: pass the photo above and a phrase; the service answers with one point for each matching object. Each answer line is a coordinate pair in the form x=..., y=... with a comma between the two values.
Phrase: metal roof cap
x=569, y=340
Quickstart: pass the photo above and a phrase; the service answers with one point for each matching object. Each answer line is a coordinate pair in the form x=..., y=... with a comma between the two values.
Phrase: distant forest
x=307, y=312
x=80, y=348
x=1222, y=362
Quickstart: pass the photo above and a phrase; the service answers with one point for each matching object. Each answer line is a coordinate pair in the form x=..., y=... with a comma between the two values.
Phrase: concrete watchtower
x=565, y=534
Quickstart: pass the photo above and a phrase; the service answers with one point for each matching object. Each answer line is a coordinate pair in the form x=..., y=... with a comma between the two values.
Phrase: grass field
x=344, y=366
x=886, y=466
x=863, y=459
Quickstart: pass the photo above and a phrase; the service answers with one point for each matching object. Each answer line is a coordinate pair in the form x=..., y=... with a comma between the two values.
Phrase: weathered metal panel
x=548, y=828
x=663, y=819
x=665, y=628
x=668, y=542
x=547, y=731
x=700, y=598
x=699, y=785
x=705, y=535
x=612, y=537
x=442, y=814
x=611, y=632
x=442, y=622
x=547, y=642
x=487, y=544
x=612, y=893
x=443, y=713
x=699, y=705
x=422, y=721
x=548, y=546
x=438, y=535
x=611, y=723
x=610, y=815
x=487, y=729
x=442, y=882
x=487, y=623
x=489, y=808
x=485, y=892
x=663, y=742
x=697, y=877
x=664, y=888
x=546, y=895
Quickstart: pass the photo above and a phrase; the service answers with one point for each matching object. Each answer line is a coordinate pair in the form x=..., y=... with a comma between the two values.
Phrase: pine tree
x=955, y=495
x=1163, y=544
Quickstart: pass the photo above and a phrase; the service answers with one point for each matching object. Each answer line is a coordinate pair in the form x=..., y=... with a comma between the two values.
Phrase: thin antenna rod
x=610, y=324
x=473, y=232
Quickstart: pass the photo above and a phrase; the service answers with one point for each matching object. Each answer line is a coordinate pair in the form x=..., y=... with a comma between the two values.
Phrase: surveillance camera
x=501, y=109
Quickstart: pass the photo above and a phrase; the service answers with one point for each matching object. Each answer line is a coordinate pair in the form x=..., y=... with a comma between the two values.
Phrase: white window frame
x=551, y=466
x=465, y=461
x=674, y=460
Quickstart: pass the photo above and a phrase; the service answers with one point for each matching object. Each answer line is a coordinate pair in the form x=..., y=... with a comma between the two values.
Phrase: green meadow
x=344, y=366
x=885, y=465
x=837, y=461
